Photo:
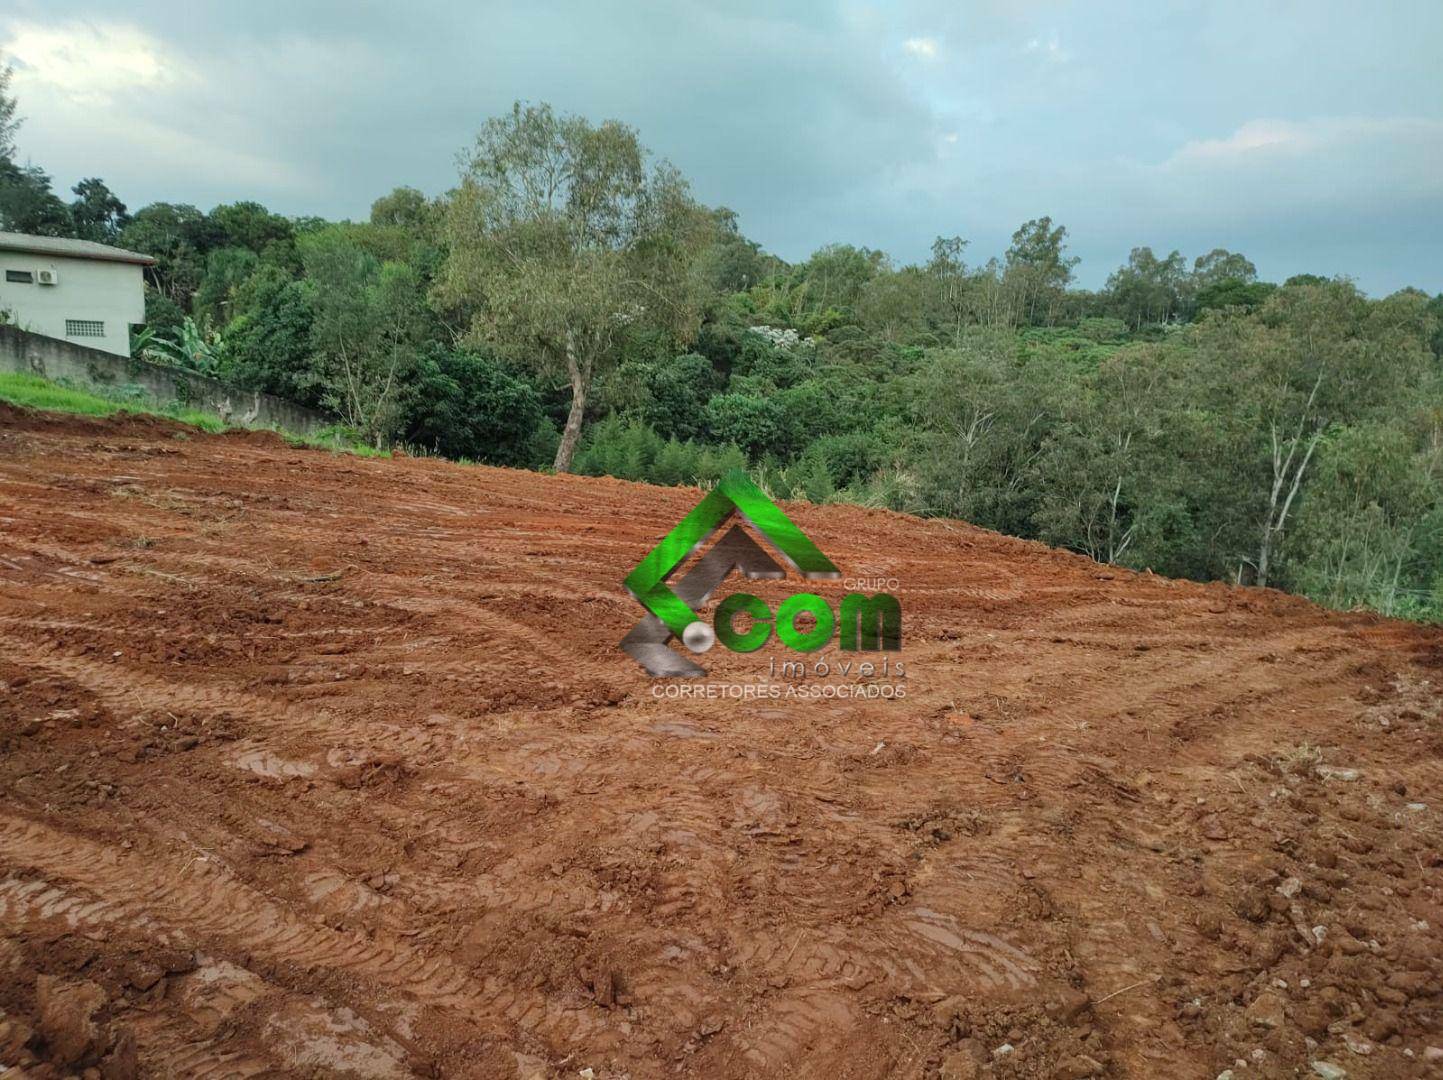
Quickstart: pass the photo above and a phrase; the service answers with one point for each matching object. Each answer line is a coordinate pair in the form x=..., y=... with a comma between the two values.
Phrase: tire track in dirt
x=129, y=692
x=30, y=900
x=209, y=995
x=212, y=906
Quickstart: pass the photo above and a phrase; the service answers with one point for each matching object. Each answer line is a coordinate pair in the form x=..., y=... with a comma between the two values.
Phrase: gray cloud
x=1307, y=135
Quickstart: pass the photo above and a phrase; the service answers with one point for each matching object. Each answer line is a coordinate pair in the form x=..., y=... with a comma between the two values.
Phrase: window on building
x=84, y=328
x=24, y=277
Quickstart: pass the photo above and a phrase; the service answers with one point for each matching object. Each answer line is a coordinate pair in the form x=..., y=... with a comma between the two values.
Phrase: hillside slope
x=313, y=763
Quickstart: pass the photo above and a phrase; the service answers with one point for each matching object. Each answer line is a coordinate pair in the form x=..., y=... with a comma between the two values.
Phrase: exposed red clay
x=314, y=765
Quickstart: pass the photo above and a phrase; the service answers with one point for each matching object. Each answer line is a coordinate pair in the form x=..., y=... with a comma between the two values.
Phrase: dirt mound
x=312, y=764
x=15, y=418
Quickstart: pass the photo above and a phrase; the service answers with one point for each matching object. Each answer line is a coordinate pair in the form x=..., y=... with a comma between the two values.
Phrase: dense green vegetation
x=570, y=305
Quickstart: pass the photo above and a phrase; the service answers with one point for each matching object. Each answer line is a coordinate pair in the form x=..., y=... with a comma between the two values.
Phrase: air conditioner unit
x=47, y=277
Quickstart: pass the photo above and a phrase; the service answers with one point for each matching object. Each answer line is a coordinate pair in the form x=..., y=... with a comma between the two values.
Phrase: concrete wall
x=90, y=290
x=54, y=359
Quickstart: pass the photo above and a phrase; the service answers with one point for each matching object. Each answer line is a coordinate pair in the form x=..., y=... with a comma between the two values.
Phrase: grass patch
x=33, y=392
x=36, y=392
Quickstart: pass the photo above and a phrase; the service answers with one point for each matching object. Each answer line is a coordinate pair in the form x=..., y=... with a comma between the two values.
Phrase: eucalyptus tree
x=1038, y=268
x=1106, y=483
x=1313, y=359
x=982, y=420
x=1220, y=265
x=1359, y=536
x=951, y=300
x=562, y=240
x=1148, y=289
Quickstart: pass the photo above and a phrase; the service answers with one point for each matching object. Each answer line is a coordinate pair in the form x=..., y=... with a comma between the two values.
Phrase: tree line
x=569, y=304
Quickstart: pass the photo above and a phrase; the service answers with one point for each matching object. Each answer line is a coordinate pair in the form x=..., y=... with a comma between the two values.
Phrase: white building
x=76, y=290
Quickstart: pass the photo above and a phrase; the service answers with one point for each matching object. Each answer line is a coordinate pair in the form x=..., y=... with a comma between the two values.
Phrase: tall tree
x=179, y=237
x=561, y=241
x=27, y=205
x=1220, y=265
x=984, y=419
x=250, y=225
x=403, y=208
x=97, y=213
x=1147, y=289
x=894, y=304
x=835, y=276
x=1100, y=473
x=404, y=226
x=1358, y=532
x=9, y=121
x=948, y=274
x=1315, y=357
x=226, y=269
x=368, y=324
x=1038, y=267
x=268, y=341
x=731, y=262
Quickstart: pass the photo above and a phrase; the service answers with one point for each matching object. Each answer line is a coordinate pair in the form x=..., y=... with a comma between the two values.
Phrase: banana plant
x=189, y=346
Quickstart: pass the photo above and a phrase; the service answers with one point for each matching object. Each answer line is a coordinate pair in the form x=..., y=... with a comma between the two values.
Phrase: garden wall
x=64, y=361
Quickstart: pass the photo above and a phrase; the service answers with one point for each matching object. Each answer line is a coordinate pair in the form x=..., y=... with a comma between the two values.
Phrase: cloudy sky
x=1306, y=133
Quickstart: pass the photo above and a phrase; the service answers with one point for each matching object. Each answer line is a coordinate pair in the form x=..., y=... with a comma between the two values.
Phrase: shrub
x=625, y=449
x=847, y=459
x=1104, y=330
x=680, y=389
x=814, y=481
x=469, y=406
x=749, y=421
x=716, y=461
x=676, y=463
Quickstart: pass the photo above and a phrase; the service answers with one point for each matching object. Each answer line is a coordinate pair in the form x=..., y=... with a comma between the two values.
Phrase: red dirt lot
x=313, y=765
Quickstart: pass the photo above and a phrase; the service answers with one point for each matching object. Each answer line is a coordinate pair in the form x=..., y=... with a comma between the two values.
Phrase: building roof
x=70, y=249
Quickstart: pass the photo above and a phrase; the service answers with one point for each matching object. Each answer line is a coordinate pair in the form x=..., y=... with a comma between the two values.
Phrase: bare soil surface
x=313, y=765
